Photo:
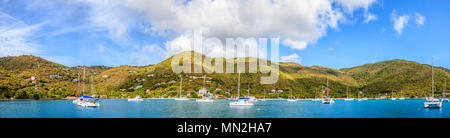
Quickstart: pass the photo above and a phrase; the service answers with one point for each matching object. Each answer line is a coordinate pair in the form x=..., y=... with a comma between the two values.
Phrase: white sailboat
x=85, y=101
x=136, y=99
x=431, y=101
x=327, y=99
x=348, y=96
x=251, y=98
x=392, y=95
x=316, y=98
x=181, y=98
x=401, y=96
x=264, y=99
x=205, y=99
x=241, y=101
x=291, y=99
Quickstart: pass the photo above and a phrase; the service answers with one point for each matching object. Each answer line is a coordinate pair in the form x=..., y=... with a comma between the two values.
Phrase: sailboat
x=82, y=100
x=401, y=96
x=291, y=99
x=348, y=96
x=181, y=98
x=264, y=96
x=392, y=95
x=241, y=101
x=316, y=98
x=203, y=91
x=327, y=99
x=444, y=95
x=431, y=101
x=136, y=99
x=251, y=98
x=359, y=99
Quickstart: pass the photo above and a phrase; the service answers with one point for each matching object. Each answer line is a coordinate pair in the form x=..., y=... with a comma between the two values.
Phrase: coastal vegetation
x=31, y=77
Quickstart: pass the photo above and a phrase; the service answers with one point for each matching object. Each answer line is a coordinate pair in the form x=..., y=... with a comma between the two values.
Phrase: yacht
x=264, y=99
x=348, y=97
x=241, y=101
x=316, y=98
x=291, y=99
x=327, y=99
x=181, y=98
x=392, y=95
x=205, y=98
x=136, y=99
x=401, y=96
x=432, y=102
x=87, y=101
x=81, y=100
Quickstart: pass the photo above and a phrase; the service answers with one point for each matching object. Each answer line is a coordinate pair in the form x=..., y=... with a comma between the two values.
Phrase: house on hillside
x=150, y=75
x=138, y=87
x=105, y=76
x=132, y=71
x=55, y=76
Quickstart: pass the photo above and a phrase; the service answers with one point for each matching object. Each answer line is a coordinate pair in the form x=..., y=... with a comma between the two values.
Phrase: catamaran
x=431, y=101
x=241, y=101
x=348, y=96
x=327, y=99
x=204, y=92
x=82, y=100
x=181, y=98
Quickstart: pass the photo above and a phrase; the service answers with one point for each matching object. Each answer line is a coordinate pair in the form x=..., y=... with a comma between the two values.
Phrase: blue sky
x=146, y=32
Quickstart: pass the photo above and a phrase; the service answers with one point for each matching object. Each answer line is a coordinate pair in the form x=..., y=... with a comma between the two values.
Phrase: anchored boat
x=327, y=99
x=431, y=101
x=241, y=101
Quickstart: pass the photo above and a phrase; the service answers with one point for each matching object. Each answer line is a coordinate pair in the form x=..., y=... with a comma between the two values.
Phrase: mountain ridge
x=159, y=81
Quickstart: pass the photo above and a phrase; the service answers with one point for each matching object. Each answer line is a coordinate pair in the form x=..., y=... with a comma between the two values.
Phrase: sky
x=332, y=33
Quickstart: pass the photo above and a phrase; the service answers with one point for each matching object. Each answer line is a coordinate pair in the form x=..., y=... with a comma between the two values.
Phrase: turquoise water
x=167, y=108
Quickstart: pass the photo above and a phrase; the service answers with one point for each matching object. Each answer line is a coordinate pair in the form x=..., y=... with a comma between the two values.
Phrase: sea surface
x=169, y=108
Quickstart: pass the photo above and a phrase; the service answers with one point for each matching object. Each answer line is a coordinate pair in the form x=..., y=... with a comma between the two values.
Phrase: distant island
x=31, y=77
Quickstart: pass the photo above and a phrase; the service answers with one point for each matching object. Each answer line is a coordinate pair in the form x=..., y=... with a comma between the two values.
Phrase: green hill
x=52, y=80
x=413, y=78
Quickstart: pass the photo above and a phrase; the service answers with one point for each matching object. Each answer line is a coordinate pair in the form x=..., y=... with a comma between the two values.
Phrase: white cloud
x=400, y=22
x=291, y=58
x=16, y=36
x=298, y=23
x=420, y=19
x=370, y=17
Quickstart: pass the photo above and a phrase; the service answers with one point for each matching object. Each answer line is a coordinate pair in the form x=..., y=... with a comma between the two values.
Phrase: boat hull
x=433, y=104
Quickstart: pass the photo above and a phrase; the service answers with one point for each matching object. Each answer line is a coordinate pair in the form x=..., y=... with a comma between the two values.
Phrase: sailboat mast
x=181, y=84
x=432, y=77
x=92, y=86
x=239, y=83
x=264, y=93
x=327, y=87
x=347, y=93
x=79, y=85
x=204, y=79
x=83, y=78
x=248, y=90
